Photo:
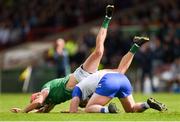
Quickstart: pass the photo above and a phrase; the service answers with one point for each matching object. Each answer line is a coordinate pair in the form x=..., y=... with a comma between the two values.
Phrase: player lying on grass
x=107, y=84
x=59, y=90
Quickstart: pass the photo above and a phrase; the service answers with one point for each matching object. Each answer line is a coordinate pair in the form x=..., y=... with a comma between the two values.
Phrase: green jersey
x=57, y=91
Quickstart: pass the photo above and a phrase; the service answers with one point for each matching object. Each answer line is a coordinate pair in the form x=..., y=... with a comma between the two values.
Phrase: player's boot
x=112, y=108
x=156, y=105
x=109, y=10
x=140, y=40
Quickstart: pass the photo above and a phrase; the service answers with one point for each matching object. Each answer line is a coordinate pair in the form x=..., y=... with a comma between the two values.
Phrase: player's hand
x=109, y=10
x=15, y=110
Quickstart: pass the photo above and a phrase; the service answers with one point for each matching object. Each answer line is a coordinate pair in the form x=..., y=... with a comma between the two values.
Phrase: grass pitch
x=8, y=101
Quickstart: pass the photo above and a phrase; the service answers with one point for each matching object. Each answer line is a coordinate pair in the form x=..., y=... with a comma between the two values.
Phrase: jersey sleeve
x=77, y=92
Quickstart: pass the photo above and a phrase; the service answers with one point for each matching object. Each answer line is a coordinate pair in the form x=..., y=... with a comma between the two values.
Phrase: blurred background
x=42, y=40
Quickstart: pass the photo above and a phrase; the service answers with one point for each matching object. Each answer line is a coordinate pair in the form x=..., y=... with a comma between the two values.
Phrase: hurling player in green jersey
x=59, y=90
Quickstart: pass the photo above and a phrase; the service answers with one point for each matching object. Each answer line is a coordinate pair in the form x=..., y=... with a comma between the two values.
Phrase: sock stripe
x=134, y=48
x=106, y=22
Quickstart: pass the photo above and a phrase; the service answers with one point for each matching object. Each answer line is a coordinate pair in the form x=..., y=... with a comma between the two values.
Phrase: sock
x=106, y=22
x=134, y=48
x=104, y=110
x=145, y=105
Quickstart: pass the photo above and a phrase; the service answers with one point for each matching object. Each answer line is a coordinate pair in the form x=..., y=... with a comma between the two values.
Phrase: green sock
x=106, y=22
x=134, y=48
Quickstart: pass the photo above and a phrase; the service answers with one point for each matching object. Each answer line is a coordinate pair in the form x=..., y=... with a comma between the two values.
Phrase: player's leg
x=129, y=105
x=127, y=59
x=97, y=102
x=125, y=62
x=92, y=62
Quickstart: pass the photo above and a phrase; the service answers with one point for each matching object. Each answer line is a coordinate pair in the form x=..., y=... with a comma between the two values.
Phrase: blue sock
x=104, y=109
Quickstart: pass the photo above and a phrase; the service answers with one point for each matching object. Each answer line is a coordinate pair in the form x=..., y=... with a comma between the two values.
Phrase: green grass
x=8, y=101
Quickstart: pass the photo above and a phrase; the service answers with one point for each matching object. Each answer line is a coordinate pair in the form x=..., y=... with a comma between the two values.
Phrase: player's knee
x=99, y=52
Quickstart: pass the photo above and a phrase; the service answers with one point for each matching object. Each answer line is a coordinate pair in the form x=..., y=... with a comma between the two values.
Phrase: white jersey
x=89, y=84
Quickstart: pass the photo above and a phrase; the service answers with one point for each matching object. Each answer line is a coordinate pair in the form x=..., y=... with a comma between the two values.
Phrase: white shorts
x=80, y=74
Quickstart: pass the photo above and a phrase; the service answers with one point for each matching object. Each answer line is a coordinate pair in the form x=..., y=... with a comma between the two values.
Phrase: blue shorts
x=114, y=85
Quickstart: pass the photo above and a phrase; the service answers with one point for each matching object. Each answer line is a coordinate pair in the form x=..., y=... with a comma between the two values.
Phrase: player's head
x=83, y=103
x=34, y=96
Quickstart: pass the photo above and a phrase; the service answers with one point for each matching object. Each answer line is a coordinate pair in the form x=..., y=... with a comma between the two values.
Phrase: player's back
x=57, y=91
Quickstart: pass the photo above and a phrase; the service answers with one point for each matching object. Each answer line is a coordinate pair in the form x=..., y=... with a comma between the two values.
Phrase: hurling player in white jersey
x=109, y=83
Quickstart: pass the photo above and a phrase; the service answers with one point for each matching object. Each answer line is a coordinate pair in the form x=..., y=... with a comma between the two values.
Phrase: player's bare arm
x=74, y=104
x=35, y=103
x=45, y=109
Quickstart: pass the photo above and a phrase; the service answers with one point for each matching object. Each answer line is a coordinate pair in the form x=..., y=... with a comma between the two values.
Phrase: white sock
x=106, y=110
x=146, y=105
